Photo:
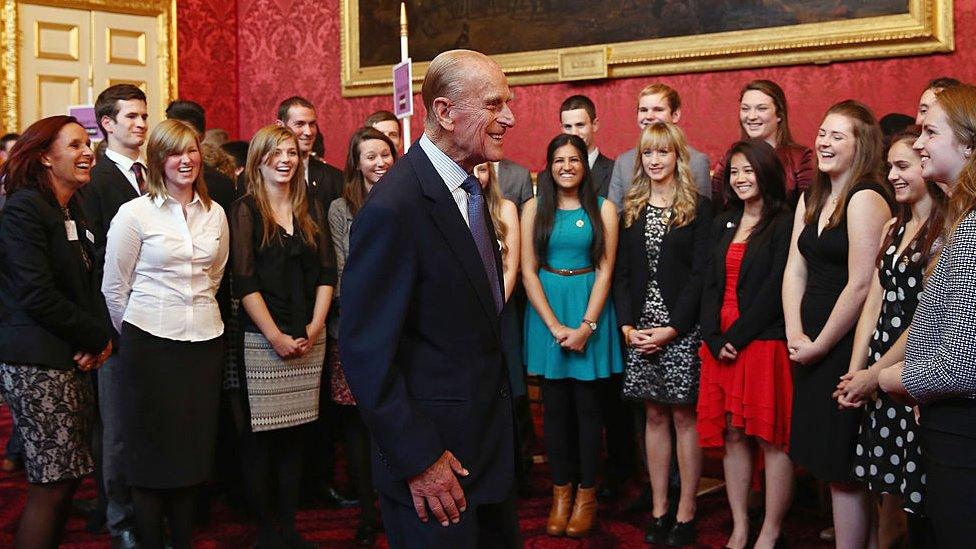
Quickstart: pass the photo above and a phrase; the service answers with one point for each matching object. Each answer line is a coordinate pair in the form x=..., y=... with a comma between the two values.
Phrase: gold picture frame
x=926, y=28
x=163, y=10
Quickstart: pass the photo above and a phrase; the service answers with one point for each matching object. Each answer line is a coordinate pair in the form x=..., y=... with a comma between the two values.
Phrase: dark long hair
x=933, y=228
x=769, y=178
x=354, y=191
x=23, y=168
x=545, y=211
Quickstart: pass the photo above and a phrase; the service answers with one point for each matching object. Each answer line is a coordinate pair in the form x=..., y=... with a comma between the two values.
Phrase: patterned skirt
x=55, y=411
x=281, y=392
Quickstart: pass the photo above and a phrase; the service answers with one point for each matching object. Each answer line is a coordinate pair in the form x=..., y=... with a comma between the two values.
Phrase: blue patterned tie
x=479, y=230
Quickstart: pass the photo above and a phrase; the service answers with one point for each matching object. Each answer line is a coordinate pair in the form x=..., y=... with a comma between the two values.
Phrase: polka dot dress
x=887, y=455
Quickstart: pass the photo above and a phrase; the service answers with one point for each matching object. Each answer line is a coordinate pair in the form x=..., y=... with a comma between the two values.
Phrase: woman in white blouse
x=165, y=255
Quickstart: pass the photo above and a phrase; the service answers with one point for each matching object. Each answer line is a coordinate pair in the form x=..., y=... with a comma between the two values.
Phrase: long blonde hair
x=959, y=104
x=171, y=137
x=259, y=152
x=662, y=135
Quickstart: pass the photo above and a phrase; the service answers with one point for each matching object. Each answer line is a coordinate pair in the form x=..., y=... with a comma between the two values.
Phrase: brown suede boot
x=562, y=504
x=584, y=513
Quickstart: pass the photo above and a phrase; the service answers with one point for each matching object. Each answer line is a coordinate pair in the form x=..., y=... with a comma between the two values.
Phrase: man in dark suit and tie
x=420, y=337
x=577, y=116
x=117, y=177
x=514, y=181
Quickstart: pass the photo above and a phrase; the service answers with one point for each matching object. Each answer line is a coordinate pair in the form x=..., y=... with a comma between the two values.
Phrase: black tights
x=174, y=505
x=45, y=514
x=560, y=399
x=273, y=454
x=357, y=452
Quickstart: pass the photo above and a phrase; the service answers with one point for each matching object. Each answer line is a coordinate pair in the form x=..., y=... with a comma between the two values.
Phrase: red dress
x=755, y=390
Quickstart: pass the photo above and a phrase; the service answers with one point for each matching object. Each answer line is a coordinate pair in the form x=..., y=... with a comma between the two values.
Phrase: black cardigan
x=680, y=267
x=49, y=297
x=759, y=289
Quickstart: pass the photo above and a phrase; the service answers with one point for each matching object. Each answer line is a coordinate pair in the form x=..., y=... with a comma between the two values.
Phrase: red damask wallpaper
x=286, y=47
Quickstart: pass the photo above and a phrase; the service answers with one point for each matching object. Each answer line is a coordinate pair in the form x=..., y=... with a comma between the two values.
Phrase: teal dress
x=569, y=248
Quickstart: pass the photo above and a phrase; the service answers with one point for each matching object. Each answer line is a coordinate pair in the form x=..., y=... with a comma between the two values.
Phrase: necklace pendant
x=579, y=223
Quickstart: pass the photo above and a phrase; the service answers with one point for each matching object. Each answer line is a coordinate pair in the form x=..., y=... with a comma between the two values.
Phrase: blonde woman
x=164, y=259
x=661, y=257
x=284, y=274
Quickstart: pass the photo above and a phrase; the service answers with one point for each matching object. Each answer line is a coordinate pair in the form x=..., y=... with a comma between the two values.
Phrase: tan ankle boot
x=584, y=513
x=562, y=504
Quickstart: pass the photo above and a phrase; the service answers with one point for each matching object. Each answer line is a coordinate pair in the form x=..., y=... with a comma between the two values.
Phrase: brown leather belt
x=569, y=272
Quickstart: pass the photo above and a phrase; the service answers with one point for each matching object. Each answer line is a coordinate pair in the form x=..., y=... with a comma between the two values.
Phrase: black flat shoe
x=681, y=534
x=657, y=530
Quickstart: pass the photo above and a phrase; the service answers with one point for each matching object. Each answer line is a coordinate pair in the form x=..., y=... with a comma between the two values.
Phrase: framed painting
x=625, y=38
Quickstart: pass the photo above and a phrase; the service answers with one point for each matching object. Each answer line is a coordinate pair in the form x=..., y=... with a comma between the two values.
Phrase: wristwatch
x=590, y=323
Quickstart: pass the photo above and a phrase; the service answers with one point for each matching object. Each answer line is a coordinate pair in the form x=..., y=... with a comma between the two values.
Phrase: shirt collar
x=593, y=155
x=159, y=200
x=123, y=161
x=449, y=170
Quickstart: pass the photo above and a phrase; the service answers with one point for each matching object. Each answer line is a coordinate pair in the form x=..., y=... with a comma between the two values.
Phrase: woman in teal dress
x=569, y=240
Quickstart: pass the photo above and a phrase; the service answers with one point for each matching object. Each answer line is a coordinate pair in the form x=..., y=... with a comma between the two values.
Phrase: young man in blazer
x=429, y=376
x=656, y=103
x=577, y=116
x=514, y=181
x=117, y=177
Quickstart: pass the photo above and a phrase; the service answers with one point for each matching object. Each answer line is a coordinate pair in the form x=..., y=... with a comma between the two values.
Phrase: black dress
x=822, y=438
x=887, y=455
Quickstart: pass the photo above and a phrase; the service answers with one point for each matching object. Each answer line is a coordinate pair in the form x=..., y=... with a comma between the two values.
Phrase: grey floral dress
x=669, y=376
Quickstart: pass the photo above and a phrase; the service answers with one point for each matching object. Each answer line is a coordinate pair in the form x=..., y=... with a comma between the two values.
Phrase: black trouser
x=950, y=489
x=486, y=526
x=175, y=505
x=267, y=455
x=620, y=435
x=358, y=459
x=318, y=458
x=561, y=398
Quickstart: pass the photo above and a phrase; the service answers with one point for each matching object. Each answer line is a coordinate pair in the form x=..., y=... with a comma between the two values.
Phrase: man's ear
x=596, y=125
x=104, y=120
x=442, y=108
x=279, y=123
x=675, y=115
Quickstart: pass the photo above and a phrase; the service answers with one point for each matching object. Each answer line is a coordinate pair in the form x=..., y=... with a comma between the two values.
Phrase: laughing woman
x=284, y=272
x=164, y=259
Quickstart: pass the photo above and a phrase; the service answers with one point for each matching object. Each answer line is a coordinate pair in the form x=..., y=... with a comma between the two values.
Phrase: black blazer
x=600, y=174
x=680, y=269
x=100, y=200
x=420, y=337
x=759, y=287
x=220, y=187
x=49, y=300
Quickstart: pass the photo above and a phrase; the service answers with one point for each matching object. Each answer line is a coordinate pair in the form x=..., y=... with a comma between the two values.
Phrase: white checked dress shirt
x=162, y=270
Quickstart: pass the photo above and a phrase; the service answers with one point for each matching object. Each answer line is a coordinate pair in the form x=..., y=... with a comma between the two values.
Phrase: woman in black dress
x=836, y=230
x=51, y=332
x=887, y=456
x=939, y=356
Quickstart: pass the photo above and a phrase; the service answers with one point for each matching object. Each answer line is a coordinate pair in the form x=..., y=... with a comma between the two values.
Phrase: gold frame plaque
x=163, y=10
x=926, y=28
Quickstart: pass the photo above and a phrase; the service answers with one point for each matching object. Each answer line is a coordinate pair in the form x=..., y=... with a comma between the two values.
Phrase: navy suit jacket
x=420, y=338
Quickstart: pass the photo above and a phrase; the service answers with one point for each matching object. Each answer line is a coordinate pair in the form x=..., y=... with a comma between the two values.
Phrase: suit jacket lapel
x=120, y=181
x=446, y=216
x=722, y=250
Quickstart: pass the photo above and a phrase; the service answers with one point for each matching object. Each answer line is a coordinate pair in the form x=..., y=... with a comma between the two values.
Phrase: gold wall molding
x=163, y=10
x=926, y=28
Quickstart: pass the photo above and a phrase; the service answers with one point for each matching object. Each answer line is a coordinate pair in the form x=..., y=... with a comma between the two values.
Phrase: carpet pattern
x=336, y=528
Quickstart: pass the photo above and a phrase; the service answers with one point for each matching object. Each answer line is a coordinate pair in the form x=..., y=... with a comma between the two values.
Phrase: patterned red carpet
x=335, y=528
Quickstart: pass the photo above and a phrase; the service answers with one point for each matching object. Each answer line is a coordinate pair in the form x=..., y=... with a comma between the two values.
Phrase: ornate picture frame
x=925, y=27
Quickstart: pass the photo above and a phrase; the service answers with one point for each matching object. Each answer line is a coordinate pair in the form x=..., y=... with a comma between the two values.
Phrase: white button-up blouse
x=162, y=270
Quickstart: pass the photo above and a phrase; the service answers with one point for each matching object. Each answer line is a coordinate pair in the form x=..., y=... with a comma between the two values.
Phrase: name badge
x=89, y=236
x=71, y=230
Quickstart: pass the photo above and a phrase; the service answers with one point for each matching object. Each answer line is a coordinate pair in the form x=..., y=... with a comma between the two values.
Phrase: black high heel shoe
x=657, y=530
x=681, y=534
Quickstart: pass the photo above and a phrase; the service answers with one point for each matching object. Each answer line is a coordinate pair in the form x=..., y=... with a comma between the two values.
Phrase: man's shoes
x=681, y=534
x=333, y=499
x=11, y=465
x=366, y=533
x=125, y=539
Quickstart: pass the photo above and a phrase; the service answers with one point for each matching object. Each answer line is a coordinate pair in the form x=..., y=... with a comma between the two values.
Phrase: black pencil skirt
x=170, y=408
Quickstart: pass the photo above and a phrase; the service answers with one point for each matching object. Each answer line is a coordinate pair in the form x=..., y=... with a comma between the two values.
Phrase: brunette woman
x=371, y=154
x=763, y=114
x=166, y=253
x=937, y=372
x=662, y=255
x=569, y=240
x=836, y=231
x=51, y=332
x=746, y=387
x=887, y=457
x=284, y=273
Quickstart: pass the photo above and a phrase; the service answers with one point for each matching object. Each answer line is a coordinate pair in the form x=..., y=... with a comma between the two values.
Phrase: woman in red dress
x=746, y=387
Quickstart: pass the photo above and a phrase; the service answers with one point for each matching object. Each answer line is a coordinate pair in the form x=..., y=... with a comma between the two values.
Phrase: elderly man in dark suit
x=420, y=337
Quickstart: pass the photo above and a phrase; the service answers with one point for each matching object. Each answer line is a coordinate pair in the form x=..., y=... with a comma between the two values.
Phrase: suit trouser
x=950, y=497
x=486, y=526
x=119, y=513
